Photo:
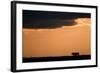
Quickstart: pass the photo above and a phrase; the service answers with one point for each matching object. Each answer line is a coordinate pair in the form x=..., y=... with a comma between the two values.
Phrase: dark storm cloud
x=48, y=19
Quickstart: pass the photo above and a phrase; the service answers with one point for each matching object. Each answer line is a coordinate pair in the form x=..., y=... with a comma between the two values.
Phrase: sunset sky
x=45, y=36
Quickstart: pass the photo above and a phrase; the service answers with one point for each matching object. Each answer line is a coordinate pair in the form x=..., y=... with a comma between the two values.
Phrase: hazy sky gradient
x=58, y=42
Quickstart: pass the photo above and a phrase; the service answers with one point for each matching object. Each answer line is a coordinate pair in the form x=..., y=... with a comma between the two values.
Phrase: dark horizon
x=60, y=58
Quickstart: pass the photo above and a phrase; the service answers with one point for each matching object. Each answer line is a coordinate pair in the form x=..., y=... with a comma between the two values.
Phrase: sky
x=49, y=20
x=72, y=35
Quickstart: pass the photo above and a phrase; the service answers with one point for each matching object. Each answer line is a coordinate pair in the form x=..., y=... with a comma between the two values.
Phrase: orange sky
x=58, y=42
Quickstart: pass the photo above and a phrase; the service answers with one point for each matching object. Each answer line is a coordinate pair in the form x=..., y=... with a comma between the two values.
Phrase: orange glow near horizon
x=58, y=42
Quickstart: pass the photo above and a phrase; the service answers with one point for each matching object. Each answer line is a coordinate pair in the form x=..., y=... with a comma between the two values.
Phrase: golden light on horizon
x=58, y=42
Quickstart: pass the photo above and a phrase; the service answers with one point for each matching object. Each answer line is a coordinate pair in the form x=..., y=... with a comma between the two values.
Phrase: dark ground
x=61, y=58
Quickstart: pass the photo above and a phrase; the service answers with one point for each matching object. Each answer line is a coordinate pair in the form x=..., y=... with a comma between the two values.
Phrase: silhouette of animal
x=75, y=53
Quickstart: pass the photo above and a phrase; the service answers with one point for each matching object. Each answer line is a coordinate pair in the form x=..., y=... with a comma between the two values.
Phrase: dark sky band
x=49, y=19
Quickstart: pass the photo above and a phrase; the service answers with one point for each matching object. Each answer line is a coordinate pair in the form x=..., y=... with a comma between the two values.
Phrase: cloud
x=49, y=24
x=50, y=19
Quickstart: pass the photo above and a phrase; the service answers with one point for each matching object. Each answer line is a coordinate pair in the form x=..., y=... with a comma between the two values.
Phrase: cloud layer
x=49, y=20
